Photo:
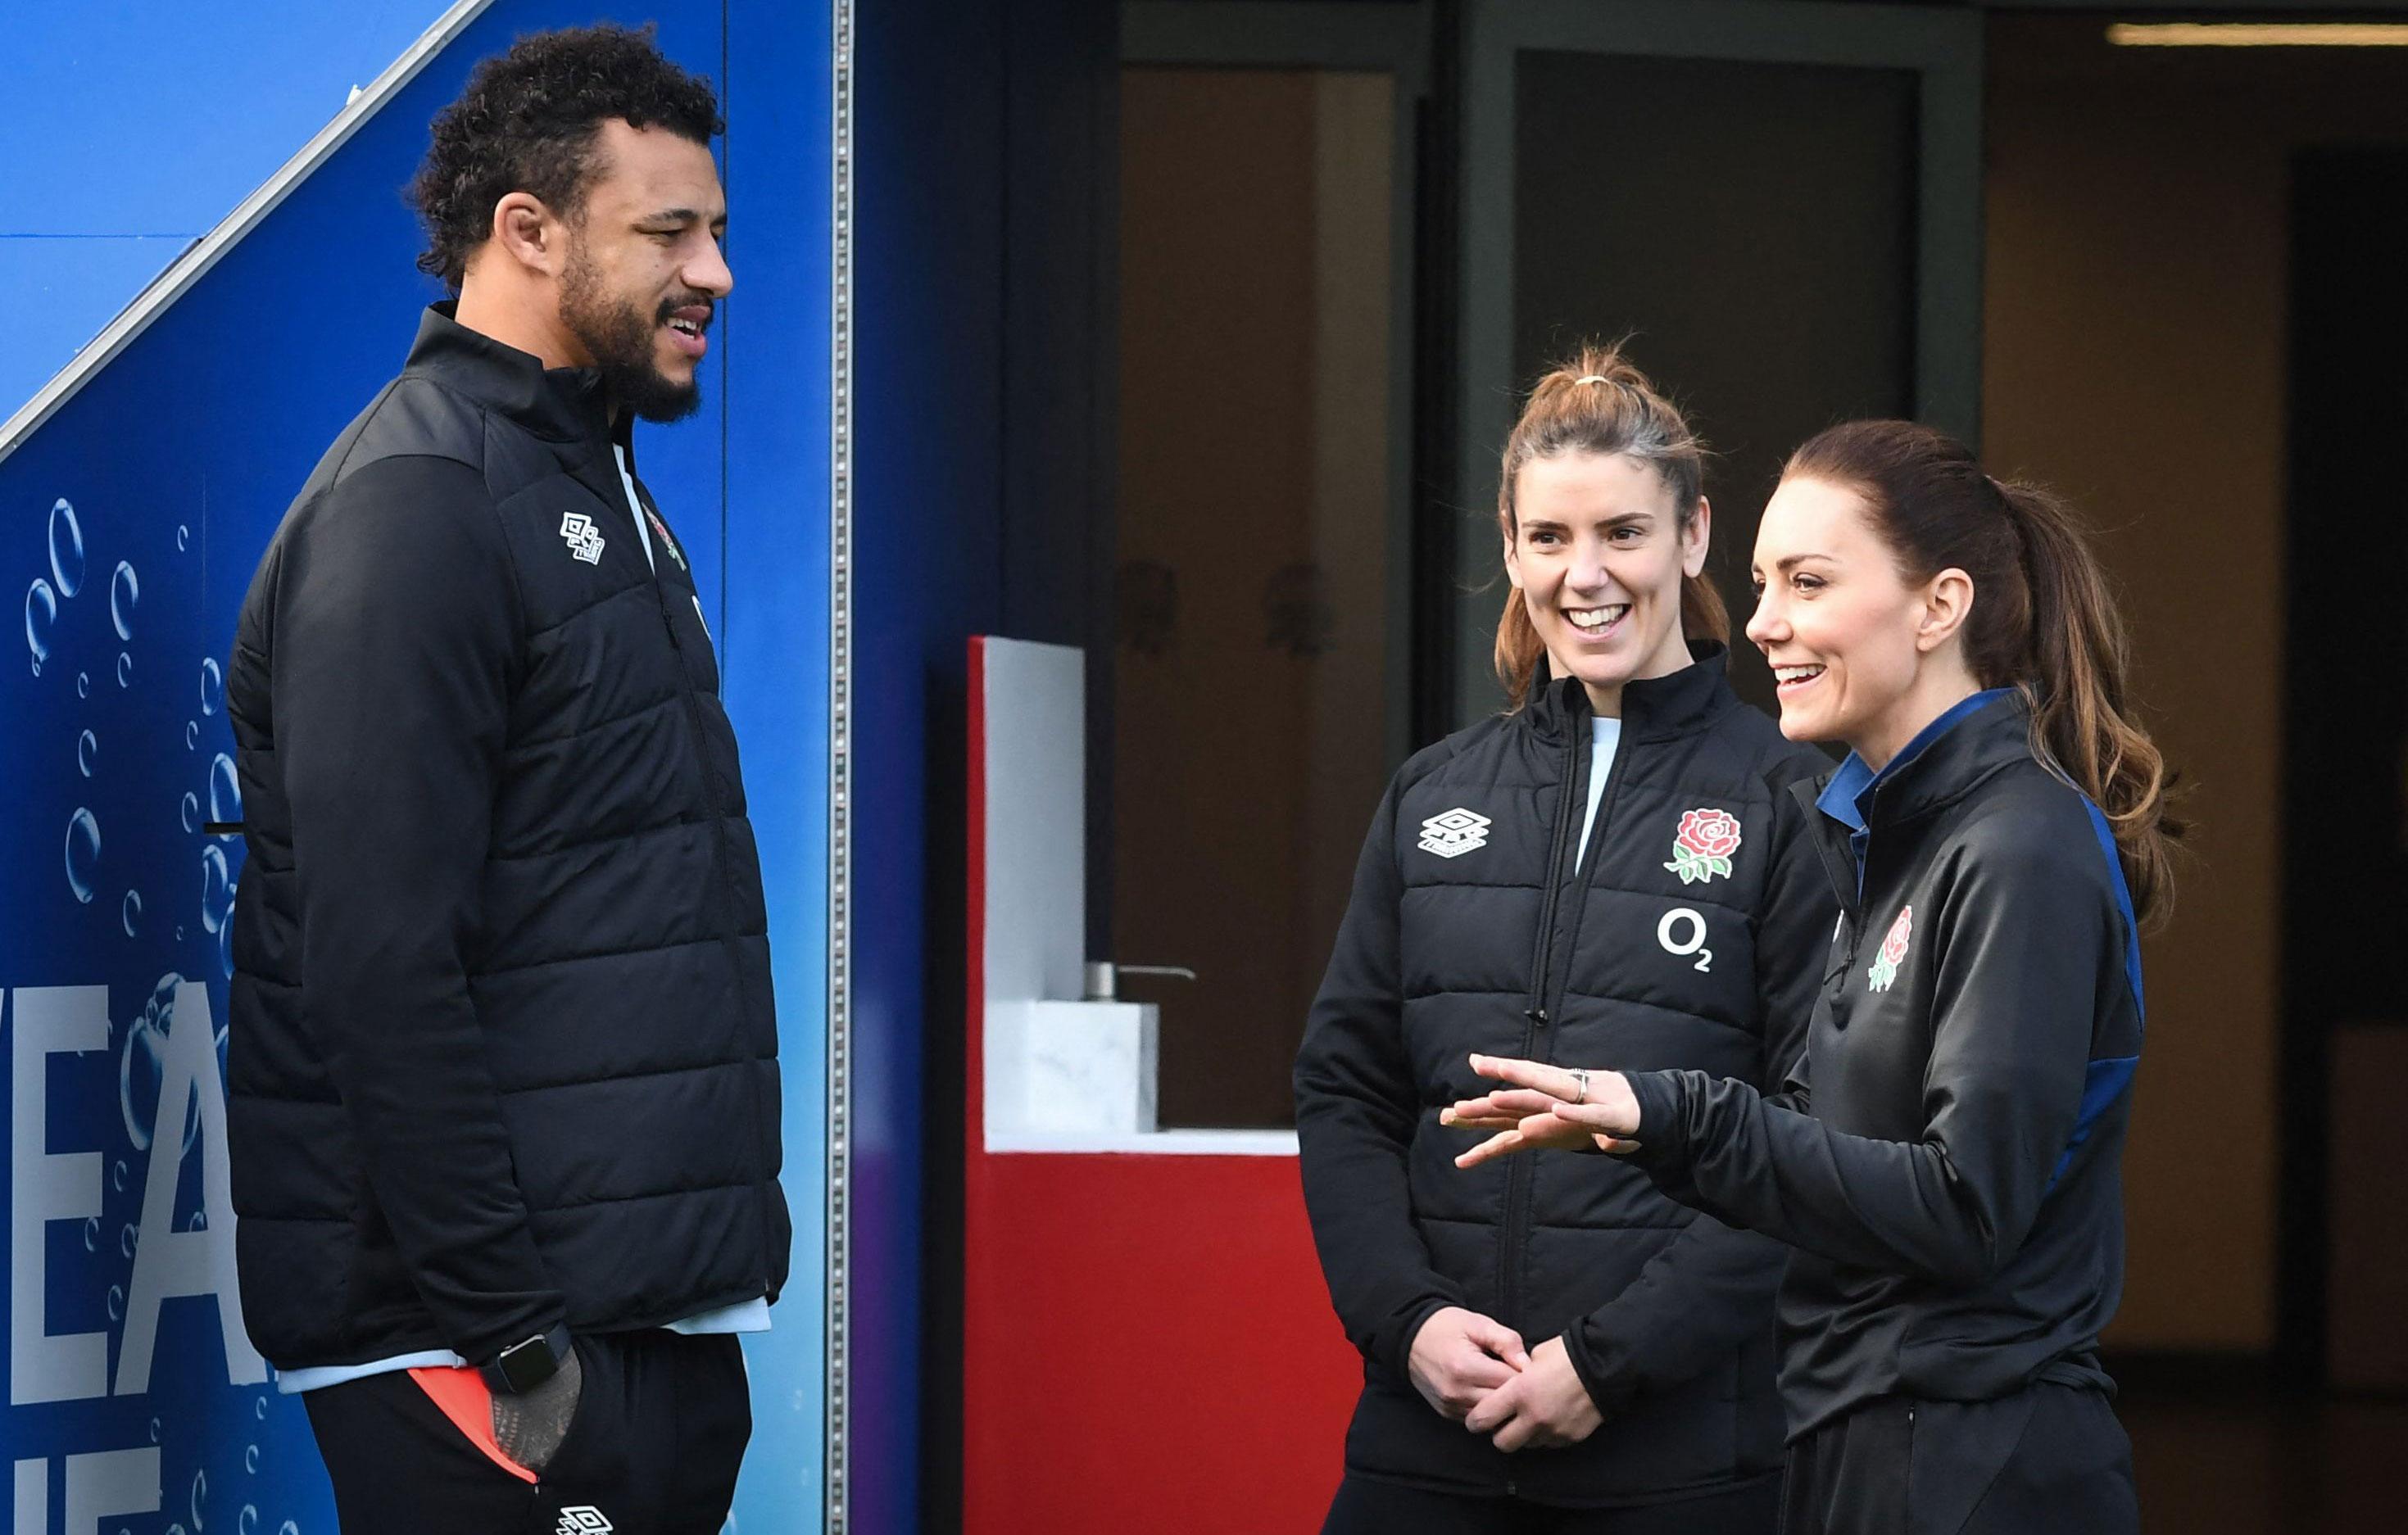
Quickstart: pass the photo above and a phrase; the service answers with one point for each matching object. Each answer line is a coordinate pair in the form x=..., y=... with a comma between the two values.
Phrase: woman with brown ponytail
x=1952, y=1178
x=1610, y=867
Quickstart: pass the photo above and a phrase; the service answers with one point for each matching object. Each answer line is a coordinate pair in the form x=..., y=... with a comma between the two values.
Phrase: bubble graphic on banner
x=190, y=811
x=117, y=1303
x=117, y=1176
x=183, y=536
x=124, y=592
x=288, y=1527
x=131, y=911
x=249, y=1520
x=199, y=1222
x=142, y=1065
x=92, y=1233
x=259, y=1408
x=41, y=616
x=225, y=942
x=83, y=854
x=83, y=684
x=225, y=792
x=66, y=550
x=250, y=1458
x=212, y=686
x=200, y=1490
x=124, y=670
x=87, y=748
x=192, y=734
x=217, y=888
x=129, y=1239
x=155, y=1430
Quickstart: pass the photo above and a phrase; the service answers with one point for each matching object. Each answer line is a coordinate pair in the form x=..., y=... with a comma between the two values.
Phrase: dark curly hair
x=527, y=122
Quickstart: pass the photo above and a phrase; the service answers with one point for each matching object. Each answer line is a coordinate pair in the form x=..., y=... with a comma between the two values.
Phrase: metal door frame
x=1944, y=47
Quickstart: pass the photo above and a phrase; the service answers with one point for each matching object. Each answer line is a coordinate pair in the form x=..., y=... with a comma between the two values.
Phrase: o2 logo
x=1682, y=933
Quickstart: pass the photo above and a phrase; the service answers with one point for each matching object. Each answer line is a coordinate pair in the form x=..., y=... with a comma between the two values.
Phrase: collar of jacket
x=1654, y=709
x=1972, y=740
x=558, y=405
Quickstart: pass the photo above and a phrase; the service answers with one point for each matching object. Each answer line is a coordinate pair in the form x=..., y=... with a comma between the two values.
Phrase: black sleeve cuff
x=1606, y=1391
x=1400, y=1352
x=1662, y=1135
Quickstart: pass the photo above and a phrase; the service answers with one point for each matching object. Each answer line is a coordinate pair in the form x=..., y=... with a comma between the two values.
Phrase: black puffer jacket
x=1468, y=930
x=502, y=1048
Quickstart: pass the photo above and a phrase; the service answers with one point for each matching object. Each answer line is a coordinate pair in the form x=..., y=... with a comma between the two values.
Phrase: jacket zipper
x=1535, y=1018
x=718, y=832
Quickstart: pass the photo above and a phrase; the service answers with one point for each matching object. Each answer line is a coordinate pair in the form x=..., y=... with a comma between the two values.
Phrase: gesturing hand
x=1555, y=1106
x=1460, y=1356
x=1522, y=1119
x=1543, y=1407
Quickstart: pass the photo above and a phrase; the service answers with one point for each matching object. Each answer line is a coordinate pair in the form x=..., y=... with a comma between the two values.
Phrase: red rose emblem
x=1703, y=845
x=1709, y=833
x=1894, y=947
x=1893, y=951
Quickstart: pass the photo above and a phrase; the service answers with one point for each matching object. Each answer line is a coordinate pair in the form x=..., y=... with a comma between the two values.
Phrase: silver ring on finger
x=1580, y=1081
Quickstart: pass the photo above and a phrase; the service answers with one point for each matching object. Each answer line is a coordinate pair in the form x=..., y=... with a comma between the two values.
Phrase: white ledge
x=1159, y=1142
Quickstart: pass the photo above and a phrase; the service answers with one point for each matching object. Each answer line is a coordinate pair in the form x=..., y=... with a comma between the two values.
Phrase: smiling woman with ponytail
x=1611, y=860
x=1952, y=1177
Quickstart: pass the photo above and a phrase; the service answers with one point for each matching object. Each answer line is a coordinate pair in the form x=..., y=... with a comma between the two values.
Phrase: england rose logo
x=1893, y=951
x=1704, y=847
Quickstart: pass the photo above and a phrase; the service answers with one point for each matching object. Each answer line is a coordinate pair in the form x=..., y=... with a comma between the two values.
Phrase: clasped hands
x=1473, y=1369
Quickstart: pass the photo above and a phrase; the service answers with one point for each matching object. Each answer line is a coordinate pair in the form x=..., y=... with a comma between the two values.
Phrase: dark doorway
x=2344, y=1250
x=1750, y=225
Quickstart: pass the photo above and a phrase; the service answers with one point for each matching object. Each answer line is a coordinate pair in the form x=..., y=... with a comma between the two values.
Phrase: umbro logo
x=582, y=1519
x=585, y=540
x=1454, y=834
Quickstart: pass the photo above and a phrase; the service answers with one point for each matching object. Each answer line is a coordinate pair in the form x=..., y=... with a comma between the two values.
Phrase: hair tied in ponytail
x=2043, y=620
x=1631, y=420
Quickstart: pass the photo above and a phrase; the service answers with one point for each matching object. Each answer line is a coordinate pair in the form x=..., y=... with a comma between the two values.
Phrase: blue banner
x=130, y=524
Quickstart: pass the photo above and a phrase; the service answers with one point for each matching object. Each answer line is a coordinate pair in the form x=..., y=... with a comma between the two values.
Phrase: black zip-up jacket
x=502, y=1051
x=1953, y=1180
x=1470, y=930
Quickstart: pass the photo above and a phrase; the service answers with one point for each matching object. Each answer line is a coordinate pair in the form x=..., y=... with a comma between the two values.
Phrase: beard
x=617, y=333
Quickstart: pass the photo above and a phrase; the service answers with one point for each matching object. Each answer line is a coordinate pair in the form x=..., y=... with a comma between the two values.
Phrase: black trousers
x=2052, y=1458
x=1368, y=1507
x=661, y=1426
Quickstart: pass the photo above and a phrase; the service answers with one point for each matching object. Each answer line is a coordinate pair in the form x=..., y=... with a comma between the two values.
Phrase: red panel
x=1146, y=1341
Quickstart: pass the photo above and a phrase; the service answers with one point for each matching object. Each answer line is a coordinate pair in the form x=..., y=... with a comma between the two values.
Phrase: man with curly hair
x=504, y=1122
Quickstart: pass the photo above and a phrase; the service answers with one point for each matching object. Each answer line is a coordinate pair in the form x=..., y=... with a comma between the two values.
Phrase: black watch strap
x=524, y=1366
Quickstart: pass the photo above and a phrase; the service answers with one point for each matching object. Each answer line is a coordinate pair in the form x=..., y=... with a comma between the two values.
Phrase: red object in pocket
x=462, y=1395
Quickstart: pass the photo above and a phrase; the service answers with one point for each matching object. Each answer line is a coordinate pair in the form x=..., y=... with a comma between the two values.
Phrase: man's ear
x=525, y=232
x=1947, y=603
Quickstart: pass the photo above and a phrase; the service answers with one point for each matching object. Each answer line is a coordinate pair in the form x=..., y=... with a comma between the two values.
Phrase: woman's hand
x=1543, y=1408
x=1460, y=1357
x=1554, y=1106
x=1519, y=1118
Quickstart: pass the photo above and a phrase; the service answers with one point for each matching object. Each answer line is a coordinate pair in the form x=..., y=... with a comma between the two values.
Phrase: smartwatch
x=524, y=1366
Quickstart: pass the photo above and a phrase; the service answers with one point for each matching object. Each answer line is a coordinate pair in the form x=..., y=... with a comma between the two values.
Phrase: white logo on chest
x=585, y=540
x=583, y=1519
x=1454, y=833
x=1681, y=933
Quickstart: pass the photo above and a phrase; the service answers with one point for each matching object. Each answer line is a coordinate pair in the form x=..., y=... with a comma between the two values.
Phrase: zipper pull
x=1536, y=1015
